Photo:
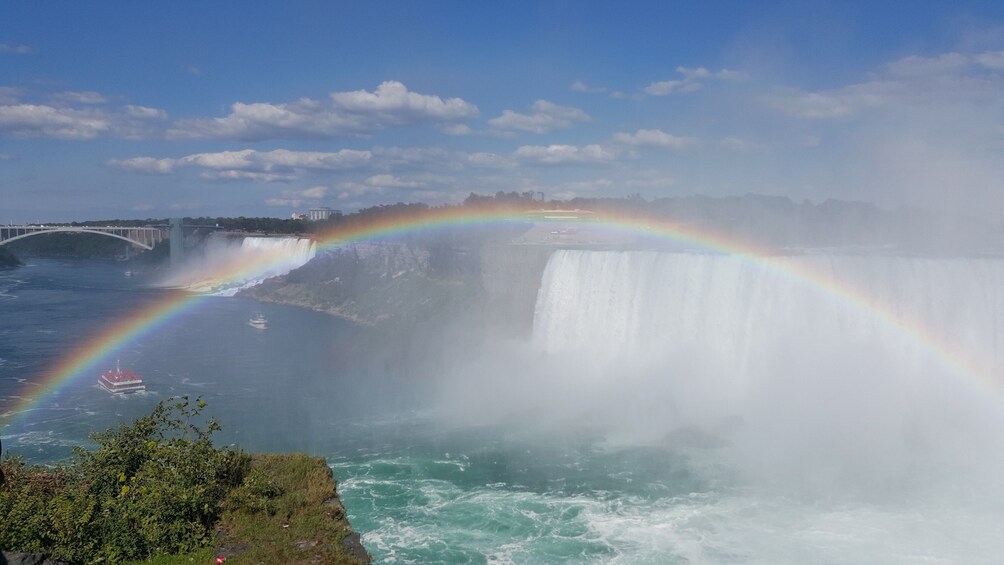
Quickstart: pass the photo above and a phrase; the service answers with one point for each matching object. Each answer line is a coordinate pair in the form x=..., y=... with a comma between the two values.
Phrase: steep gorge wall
x=394, y=282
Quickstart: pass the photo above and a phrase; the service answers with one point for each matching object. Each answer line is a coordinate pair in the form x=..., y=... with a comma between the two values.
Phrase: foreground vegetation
x=159, y=488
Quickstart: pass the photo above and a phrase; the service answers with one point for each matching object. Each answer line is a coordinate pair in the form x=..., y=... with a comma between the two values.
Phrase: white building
x=319, y=214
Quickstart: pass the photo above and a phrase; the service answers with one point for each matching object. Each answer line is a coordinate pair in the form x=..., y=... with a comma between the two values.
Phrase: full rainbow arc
x=85, y=358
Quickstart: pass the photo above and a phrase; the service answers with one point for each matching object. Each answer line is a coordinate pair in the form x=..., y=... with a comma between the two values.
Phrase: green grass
x=304, y=522
x=286, y=512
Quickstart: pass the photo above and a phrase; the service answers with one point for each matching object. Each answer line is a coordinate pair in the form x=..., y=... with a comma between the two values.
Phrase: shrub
x=152, y=487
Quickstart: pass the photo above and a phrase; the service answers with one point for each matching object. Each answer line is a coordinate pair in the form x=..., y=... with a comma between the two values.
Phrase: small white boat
x=258, y=322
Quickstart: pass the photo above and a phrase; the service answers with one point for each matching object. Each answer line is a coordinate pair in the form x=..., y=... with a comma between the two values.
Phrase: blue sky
x=134, y=110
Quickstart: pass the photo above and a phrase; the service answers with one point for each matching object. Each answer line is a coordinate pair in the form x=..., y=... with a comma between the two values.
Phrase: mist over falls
x=867, y=372
x=224, y=266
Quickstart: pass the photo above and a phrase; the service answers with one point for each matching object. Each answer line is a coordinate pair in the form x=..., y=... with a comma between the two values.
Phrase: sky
x=162, y=109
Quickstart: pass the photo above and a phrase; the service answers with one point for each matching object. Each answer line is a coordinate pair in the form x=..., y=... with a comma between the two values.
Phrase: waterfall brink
x=731, y=309
x=226, y=267
x=723, y=336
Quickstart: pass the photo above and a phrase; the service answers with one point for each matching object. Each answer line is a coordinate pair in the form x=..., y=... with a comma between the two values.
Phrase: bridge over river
x=145, y=237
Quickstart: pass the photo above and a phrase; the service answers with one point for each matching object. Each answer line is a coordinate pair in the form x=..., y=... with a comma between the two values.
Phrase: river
x=496, y=482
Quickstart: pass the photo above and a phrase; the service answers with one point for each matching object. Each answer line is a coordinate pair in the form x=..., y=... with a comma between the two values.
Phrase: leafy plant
x=152, y=487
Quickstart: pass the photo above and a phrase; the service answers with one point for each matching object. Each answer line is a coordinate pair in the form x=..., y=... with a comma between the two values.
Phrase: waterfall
x=900, y=329
x=226, y=267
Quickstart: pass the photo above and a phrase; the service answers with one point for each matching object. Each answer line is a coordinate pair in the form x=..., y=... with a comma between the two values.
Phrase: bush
x=153, y=487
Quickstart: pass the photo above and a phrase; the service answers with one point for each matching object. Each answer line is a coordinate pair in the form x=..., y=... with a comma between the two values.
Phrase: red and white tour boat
x=121, y=382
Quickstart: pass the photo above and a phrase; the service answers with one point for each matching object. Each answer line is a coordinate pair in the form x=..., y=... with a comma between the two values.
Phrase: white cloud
x=342, y=159
x=14, y=48
x=692, y=81
x=700, y=73
x=148, y=165
x=87, y=97
x=653, y=138
x=233, y=174
x=489, y=160
x=357, y=112
x=279, y=165
x=35, y=120
x=457, y=129
x=546, y=116
x=391, y=181
x=579, y=86
x=562, y=154
x=665, y=87
x=397, y=103
x=315, y=192
x=144, y=113
x=66, y=122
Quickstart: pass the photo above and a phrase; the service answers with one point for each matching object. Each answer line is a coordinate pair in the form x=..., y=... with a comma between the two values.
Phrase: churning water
x=667, y=408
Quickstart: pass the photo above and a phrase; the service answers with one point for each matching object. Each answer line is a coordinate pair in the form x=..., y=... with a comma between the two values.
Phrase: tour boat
x=258, y=321
x=121, y=382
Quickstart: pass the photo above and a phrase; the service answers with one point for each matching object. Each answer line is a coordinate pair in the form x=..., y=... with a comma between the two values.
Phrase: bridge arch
x=77, y=230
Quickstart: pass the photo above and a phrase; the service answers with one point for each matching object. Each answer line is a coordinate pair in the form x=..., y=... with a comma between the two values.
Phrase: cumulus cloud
x=279, y=165
x=358, y=112
x=653, y=138
x=544, y=117
x=692, y=80
x=562, y=154
x=391, y=181
x=147, y=165
x=233, y=174
x=36, y=120
x=489, y=160
x=73, y=115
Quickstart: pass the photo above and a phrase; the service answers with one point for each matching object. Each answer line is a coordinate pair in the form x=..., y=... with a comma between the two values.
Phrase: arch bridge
x=145, y=237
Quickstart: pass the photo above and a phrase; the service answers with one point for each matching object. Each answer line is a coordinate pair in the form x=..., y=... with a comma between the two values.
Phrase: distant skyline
x=135, y=110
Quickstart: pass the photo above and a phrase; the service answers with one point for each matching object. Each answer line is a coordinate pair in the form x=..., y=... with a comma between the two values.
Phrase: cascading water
x=845, y=361
x=227, y=267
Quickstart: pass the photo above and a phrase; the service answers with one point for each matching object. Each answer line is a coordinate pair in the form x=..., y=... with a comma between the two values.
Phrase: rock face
x=7, y=259
x=400, y=283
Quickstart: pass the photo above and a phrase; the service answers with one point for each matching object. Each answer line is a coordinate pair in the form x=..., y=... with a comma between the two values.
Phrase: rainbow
x=86, y=358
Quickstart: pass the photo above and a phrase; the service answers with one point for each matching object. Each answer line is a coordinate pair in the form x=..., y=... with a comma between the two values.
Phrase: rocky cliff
x=401, y=283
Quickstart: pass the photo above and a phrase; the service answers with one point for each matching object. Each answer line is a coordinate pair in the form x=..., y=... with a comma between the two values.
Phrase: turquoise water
x=425, y=486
